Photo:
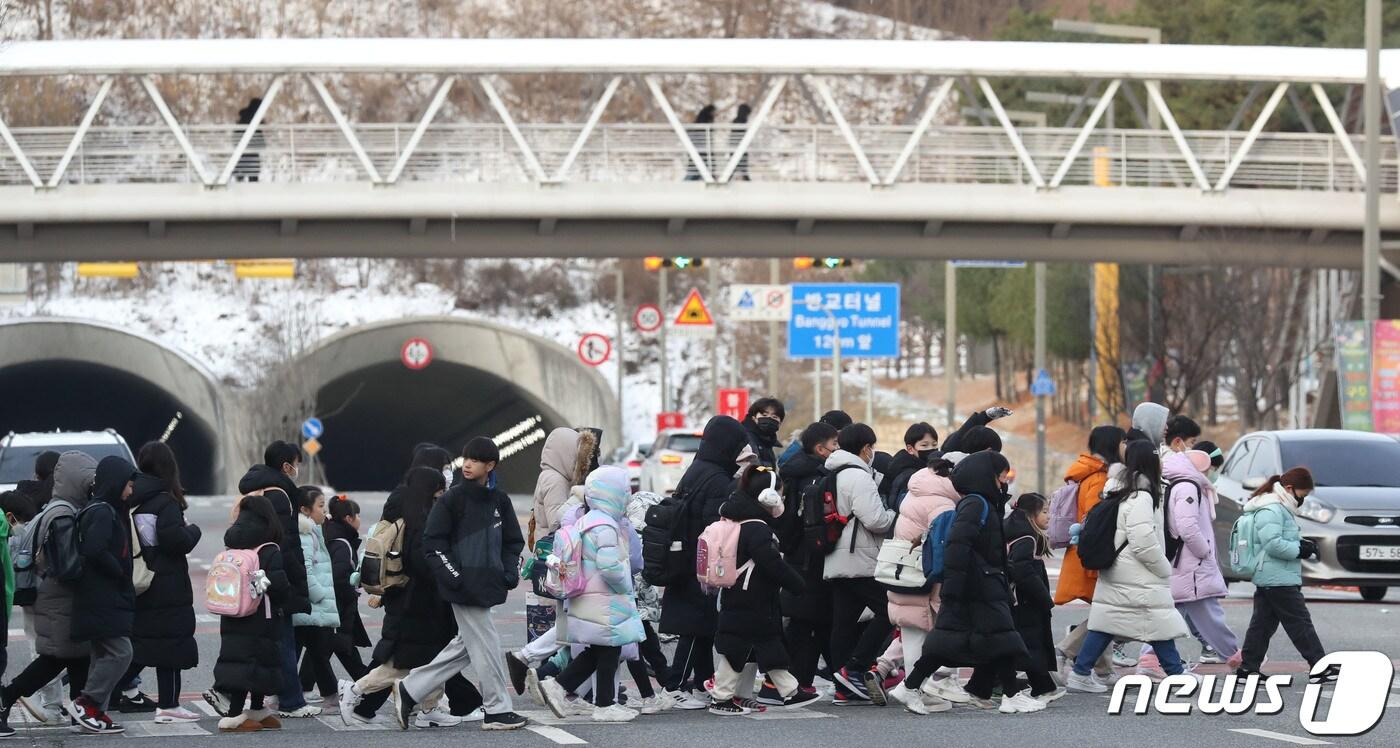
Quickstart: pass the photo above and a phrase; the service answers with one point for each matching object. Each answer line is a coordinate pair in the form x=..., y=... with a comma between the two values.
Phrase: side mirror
x=1253, y=482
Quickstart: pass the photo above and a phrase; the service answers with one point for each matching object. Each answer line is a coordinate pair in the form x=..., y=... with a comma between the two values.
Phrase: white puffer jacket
x=1133, y=598
x=857, y=497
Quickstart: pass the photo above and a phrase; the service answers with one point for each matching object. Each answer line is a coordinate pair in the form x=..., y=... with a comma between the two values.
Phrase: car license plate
x=1380, y=553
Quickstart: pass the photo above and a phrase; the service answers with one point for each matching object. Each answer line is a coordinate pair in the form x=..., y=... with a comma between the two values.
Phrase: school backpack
x=1096, y=549
x=564, y=576
x=60, y=548
x=936, y=541
x=717, y=556
x=1245, y=555
x=22, y=558
x=381, y=568
x=822, y=523
x=228, y=587
x=1064, y=511
x=1172, y=542
x=900, y=567
x=664, y=559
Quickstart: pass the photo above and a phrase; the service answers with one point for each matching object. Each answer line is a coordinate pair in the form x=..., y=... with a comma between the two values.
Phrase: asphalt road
x=1343, y=622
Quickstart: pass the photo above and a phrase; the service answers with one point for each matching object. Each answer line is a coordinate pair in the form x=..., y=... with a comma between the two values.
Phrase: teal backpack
x=1245, y=554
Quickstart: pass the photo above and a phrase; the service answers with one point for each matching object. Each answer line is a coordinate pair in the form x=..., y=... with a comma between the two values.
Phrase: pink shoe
x=1150, y=666
x=1235, y=661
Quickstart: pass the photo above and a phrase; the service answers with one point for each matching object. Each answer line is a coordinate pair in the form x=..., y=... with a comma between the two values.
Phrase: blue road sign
x=868, y=314
x=312, y=428
x=1042, y=385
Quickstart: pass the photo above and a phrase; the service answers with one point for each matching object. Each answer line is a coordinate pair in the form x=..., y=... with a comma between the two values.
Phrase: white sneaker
x=656, y=704
x=1084, y=683
x=614, y=713
x=912, y=700
x=476, y=715
x=947, y=689
x=312, y=697
x=1103, y=680
x=980, y=703
x=348, y=698
x=686, y=701
x=178, y=715
x=438, y=717
x=1054, y=695
x=552, y=695
x=1121, y=658
x=577, y=707
x=1021, y=703
x=42, y=714
x=304, y=712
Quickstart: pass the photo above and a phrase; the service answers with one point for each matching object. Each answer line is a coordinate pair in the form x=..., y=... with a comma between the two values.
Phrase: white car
x=671, y=454
x=630, y=458
x=18, y=451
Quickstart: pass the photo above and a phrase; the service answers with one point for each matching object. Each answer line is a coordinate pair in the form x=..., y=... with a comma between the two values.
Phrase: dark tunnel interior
x=375, y=416
x=79, y=396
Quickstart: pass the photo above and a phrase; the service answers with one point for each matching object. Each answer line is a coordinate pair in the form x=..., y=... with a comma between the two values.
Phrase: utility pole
x=621, y=356
x=712, y=283
x=817, y=389
x=950, y=339
x=1040, y=367
x=1371, y=239
x=773, y=351
x=661, y=302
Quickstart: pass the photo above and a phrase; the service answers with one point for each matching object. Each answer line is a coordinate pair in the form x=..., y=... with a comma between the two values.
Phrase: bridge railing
x=486, y=152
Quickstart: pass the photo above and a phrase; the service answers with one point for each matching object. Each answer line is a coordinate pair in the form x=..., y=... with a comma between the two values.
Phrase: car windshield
x=17, y=463
x=1346, y=462
x=683, y=442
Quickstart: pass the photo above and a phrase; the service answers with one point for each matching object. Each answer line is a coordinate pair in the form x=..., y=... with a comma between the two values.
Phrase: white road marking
x=338, y=724
x=203, y=706
x=153, y=730
x=1284, y=737
x=560, y=737
x=789, y=714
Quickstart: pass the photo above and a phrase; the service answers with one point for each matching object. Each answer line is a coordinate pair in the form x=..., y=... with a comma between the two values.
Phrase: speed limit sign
x=416, y=353
x=647, y=318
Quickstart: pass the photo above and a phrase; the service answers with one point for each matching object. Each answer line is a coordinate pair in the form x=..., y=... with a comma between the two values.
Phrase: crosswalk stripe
x=203, y=706
x=1284, y=737
x=557, y=735
x=338, y=724
x=153, y=730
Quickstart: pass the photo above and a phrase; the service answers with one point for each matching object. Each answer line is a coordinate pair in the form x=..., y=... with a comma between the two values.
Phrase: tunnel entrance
x=374, y=416
x=80, y=396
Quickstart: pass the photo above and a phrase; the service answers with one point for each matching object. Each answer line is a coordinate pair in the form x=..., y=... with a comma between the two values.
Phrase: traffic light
x=824, y=263
x=679, y=263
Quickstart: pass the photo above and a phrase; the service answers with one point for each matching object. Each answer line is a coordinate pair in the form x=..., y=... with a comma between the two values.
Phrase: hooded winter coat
x=1276, y=536
x=929, y=495
x=1133, y=597
x=563, y=464
x=344, y=545
x=858, y=498
x=473, y=544
x=974, y=624
x=685, y=608
x=750, y=617
x=814, y=602
x=1076, y=582
x=250, y=652
x=73, y=480
x=262, y=478
x=1196, y=571
x=105, y=604
x=320, y=581
x=605, y=613
x=902, y=467
x=1030, y=591
x=1151, y=419
x=164, y=632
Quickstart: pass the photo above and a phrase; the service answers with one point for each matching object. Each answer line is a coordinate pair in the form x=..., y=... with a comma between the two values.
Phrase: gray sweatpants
x=110, y=659
x=477, y=644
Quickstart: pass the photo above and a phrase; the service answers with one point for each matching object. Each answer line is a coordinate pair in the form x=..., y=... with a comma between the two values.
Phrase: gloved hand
x=260, y=582
x=1307, y=548
x=997, y=412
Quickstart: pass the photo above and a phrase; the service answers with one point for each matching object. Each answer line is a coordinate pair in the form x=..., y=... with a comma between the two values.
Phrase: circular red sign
x=594, y=349
x=647, y=318
x=416, y=353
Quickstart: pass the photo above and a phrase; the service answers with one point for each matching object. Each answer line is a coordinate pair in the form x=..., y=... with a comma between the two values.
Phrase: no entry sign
x=416, y=353
x=594, y=349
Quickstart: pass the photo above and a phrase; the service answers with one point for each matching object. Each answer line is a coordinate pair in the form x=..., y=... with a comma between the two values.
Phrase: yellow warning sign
x=694, y=313
x=311, y=447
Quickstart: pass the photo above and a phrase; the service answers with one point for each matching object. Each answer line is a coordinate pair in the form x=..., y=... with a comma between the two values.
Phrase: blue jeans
x=1095, y=642
x=290, y=698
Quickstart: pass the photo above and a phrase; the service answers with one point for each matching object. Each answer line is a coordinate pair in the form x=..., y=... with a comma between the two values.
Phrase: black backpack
x=1096, y=549
x=1172, y=543
x=664, y=559
x=822, y=524
x=61, y=557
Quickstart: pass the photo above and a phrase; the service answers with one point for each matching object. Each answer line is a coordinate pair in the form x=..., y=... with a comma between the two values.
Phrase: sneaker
x=911, y=699
x=505, y=721
x=87, y=717
x=1328, y=676
x=728, y=708
x=1061, y=659
x=532, y=685
x=1121, y=658
x=575, y=706
x=178, y=715
x=875, y=685
x=517, y=668
x=218, y=700
x=138, y=704
x=751, y=705
x=1104, y=680
x=42, y=715
x=305, y=711
x=5, y=730
x=656, y=703
x=800, y=699
x=239, y=723
x=686, y=701
x=347, y=698
x=1151, y=667
x=352, y=718
x=403, y=704
x=1021, y=703
x=1211, y=657
x=614, y=713
x=948, y=689
x=1084, y=683
x=552, y=696
x=311, y=697
x=438, y=717
x=476, y=715
x=855, y=685
x=768, y=694
x=1049, y=696
x=977, y=702
x=709, y=686
x=842, y=696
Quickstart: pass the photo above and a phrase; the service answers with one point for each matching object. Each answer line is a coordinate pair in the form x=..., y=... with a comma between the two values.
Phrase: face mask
x=447, y=474
x=766, y=426
x=924, y=454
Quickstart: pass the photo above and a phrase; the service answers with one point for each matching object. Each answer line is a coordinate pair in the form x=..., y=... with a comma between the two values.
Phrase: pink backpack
x=565, y=579
x=1064, y=511
x=228, y=588
x=717, y=557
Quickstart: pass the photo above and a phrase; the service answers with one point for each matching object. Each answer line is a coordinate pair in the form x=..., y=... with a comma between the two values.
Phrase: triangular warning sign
x=694, y=313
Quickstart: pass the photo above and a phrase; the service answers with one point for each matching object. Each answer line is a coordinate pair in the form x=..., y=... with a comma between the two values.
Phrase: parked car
x=671, y=454
x=1353, y=515
x=631, y=457
x=18, y=451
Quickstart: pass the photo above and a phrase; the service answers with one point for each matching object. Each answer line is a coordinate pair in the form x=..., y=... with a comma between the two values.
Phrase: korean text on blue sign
x=868, y=315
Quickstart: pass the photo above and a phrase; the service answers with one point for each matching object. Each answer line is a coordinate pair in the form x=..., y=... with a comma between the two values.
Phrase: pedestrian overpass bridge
x=633, y=177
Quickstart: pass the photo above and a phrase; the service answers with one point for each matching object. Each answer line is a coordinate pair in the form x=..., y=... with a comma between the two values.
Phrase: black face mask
x=767, y=426
x=924, y=454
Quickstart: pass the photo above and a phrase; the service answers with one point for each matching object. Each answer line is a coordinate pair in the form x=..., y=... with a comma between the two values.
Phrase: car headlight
x=1316, y=511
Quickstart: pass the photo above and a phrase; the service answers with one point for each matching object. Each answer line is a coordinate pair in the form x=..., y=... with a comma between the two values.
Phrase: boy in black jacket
x=473, y=544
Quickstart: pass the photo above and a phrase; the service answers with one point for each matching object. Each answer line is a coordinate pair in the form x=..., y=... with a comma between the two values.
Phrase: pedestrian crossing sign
x=694, y=313
x=745, y=300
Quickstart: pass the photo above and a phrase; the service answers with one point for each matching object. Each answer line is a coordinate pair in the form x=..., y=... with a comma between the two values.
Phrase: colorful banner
x=1354, y=374
x=1385, y=377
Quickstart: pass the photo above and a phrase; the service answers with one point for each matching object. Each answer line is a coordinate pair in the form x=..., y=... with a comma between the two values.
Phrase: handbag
x=900, y=567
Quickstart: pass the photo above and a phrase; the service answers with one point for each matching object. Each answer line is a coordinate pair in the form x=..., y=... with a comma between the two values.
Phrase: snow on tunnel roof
x=715, y=56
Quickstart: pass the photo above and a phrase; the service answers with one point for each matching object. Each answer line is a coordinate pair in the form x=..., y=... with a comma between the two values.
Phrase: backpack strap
x=351, y=548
